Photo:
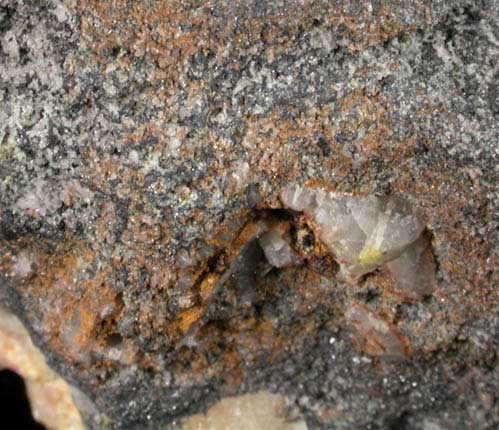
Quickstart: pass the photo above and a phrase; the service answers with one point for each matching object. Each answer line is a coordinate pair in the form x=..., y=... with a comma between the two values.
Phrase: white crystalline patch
x=362, y=232
x=259, y=411
x=241, y=173
x=39, y=199
x=73, y=191
x=22, y=265
x=174, y=142
x=277, y=250
x=414, y=270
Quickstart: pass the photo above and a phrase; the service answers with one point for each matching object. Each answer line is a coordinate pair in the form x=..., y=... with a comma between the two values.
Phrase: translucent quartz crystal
x=363, y=233
x=414, y=270
x=259, y=411
x=277, y=250
x=377, y=337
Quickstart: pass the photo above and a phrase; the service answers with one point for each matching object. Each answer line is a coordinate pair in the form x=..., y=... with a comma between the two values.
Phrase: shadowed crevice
x=14, y=404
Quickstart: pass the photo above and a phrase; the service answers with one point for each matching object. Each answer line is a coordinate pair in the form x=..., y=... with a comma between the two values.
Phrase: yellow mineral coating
x=262, y=410
x=370, y=256
x=6, y=151
x=50, y=396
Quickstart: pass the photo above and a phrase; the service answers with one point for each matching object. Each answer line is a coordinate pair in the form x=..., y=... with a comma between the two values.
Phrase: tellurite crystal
x=365, y=233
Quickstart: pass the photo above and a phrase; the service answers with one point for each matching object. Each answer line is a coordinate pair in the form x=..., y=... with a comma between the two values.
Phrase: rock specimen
x=144, y=242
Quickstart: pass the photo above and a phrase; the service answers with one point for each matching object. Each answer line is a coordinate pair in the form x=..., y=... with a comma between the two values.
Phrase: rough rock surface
x=143, y=144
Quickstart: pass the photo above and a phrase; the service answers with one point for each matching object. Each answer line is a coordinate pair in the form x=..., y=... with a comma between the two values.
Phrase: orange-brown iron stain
x=365, y=31
x=172, y=31
x=273, y=140
x=75, y=299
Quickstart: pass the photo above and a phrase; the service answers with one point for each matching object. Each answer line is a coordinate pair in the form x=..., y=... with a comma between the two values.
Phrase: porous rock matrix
x=211, y=200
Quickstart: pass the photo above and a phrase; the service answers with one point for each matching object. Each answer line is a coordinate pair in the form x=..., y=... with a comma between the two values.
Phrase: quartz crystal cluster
x=367, y=233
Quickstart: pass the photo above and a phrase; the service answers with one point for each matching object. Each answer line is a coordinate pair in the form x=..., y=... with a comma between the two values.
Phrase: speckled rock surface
x=143, y=148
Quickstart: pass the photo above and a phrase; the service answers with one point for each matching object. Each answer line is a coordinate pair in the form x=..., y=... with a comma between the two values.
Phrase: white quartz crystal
x=363, y=233
x=259, y=411
x=414, y=270
x=277, y=250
